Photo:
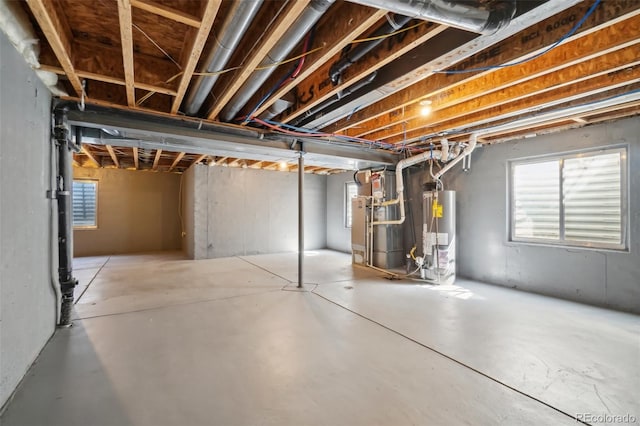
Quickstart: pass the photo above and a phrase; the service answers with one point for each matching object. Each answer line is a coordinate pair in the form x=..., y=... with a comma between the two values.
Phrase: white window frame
x=562, y=241
x=95, y=225
x=348, y=213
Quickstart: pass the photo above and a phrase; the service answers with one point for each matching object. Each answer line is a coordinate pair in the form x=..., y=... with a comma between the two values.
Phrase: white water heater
x=439, y=237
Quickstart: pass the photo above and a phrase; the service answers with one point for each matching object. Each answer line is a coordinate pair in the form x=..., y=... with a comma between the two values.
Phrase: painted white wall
x=247, y=211
x=338, y=236
x=603, y=278
x=27, y=300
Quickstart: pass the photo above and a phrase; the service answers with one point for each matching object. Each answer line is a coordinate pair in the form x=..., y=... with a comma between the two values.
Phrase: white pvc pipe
x=403, y=164
x=473, y=141
x=15, y=23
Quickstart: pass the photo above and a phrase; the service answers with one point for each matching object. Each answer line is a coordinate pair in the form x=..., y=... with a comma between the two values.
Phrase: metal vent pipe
x=455, y=13
x=227, y=38
x=278, y=53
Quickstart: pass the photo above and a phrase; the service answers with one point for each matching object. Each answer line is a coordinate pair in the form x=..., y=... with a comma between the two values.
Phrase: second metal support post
x=300, y=219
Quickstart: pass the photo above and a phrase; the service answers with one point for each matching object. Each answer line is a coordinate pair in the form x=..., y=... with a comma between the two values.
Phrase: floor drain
x=348, y=287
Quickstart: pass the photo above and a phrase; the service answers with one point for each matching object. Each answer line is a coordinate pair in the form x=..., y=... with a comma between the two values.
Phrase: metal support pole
x=64, y=186
x=300, y=218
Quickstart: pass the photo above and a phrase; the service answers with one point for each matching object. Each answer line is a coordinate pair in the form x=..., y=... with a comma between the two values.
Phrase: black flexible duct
x=332, y=100
x=393, y=24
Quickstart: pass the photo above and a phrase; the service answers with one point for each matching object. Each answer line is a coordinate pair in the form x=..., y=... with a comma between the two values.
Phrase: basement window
x=575, y=199
x=85, y=204
x=350, y=192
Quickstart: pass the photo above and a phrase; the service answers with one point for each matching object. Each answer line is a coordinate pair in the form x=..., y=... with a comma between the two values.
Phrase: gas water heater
x=438, y=261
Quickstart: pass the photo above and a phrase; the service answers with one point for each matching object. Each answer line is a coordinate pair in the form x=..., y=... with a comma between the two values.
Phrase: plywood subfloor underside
x=160, y=340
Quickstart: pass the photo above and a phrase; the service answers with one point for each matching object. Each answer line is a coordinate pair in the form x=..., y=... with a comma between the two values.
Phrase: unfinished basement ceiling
x=352, y=73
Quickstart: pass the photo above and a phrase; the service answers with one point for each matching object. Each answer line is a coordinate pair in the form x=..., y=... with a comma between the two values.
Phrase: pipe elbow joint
x=500, y=16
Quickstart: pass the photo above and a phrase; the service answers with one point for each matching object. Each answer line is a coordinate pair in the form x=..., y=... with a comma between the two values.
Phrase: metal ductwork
x=278, y=107
x=393, y=24
x=466, y=15
x=227, y=37
x=278, y=53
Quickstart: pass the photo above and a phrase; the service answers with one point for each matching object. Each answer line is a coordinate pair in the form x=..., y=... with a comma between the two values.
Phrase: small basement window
x=350, y=192
x=85, y=204
x=577, y=199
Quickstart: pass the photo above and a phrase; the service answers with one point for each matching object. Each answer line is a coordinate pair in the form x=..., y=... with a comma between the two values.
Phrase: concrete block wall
x=137, y=212
x=245, y=211
x=27, y=301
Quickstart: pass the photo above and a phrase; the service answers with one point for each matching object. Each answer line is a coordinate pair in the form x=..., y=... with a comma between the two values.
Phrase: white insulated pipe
x=15, y=23
x=425, y=156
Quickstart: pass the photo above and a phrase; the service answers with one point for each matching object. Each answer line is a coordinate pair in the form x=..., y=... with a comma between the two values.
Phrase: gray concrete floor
x=159, y=340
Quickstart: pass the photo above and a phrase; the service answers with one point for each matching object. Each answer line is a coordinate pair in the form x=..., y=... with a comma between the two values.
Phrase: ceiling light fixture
x=425, y=107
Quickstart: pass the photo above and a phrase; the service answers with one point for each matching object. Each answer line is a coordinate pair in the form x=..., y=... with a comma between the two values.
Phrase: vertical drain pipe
x=300, y=217
x=64, y=183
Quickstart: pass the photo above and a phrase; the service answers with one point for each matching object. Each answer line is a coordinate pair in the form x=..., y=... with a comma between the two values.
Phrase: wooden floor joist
x=113, y=156
x=596, y=44
x=86, y=151
x=335, y=36
x=530, y=41
x=126, y=37
x=136, y=161
x=571, y=76
x=176, y=161
x=156, y=160
x=167, y=12
x=59, y=36
x=208, y=16
x=318, y=88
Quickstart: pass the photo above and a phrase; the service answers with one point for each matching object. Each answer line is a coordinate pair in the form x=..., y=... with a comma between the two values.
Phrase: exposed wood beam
x=335, y=35
x=628, y=108
x=59, y=37
x=524, y=44
x=76, y=163
x=156, y=160
x=113, y=155
x=210, y=11
x=89, y=154
x=99, y=58
x=557, y=61
x=319, y=88
x=270, y=166
x=176, y=161
x=126, y=38
x=220, y=160
x=580, y=120
x=199, y=159
x=110, y=79
x=612, y=108
x=136, y=160
x=578, y=92
x=586, y=70
x=255, y=164
x=294, y=9
x=167, y=12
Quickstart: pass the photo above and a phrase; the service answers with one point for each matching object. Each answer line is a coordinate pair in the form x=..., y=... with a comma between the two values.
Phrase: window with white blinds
x=350, y=192
x=85, y=204
x=573, y=199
